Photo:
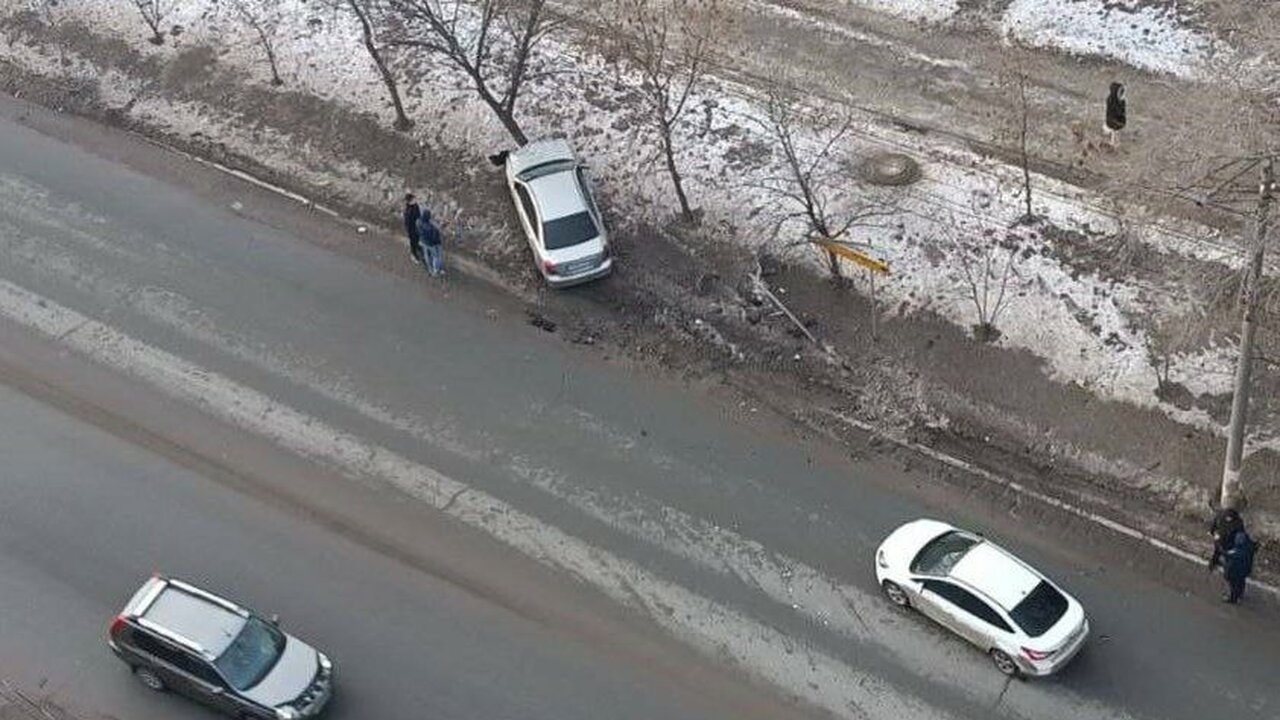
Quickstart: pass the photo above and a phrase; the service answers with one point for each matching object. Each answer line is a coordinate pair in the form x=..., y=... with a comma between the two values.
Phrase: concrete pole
x=1232, y=494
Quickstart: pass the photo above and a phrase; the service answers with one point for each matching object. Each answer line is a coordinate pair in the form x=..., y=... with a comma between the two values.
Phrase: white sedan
x=1025, y=623
x=558, y=213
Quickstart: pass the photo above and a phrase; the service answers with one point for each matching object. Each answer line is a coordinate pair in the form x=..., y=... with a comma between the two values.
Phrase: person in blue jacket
x=432, y=243
x=1237, y=565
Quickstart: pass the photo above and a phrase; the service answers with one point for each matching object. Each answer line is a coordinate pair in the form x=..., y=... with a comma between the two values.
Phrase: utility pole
x=1232, y=495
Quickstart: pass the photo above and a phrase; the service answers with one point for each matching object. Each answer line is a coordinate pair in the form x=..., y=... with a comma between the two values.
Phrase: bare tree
x=1013, y=126
x=812, y=176
x=364, y=15
x=669, y=44
x=153, y=14
x=263, y=19
x=987, y=257
x=491, y=41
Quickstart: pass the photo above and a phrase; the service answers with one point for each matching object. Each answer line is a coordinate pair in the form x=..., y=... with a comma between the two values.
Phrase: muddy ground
x=681, y=300
x=18, y=705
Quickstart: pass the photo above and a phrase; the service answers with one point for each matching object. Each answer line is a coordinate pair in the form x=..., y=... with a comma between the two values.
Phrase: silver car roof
x=199, y=619
x=558, y=195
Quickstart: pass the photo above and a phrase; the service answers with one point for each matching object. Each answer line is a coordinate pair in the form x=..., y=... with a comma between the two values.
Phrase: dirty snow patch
x=1210, y=371
x=916, y=10
x=1131, y=31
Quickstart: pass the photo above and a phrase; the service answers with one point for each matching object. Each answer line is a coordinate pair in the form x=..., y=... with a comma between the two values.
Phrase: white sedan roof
x=994, y=572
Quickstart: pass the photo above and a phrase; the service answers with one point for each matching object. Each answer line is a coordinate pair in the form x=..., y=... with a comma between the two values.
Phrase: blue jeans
x=434, y=259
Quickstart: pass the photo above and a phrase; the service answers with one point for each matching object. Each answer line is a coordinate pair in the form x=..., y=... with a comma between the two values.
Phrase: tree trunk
x=271, y=57
x=1232, y=494
x=875, y=307
x=157, y=37
x=1022, y=140
x=1026, y=181
x=509, y=122
x=366, y=30
x=669, y=153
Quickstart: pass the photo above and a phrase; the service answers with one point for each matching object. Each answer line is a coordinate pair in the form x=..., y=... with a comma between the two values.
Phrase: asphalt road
x=85, y=514
x=230, y=322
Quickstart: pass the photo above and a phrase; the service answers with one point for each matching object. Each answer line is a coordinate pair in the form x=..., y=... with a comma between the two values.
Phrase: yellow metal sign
x=848, y=253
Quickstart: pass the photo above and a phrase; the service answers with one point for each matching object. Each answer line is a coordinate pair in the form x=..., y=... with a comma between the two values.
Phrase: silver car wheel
x=1004, y=663
x=896, y=594
x=149, y=678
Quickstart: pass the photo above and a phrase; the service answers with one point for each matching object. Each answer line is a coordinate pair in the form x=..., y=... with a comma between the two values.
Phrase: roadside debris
x=537, y=320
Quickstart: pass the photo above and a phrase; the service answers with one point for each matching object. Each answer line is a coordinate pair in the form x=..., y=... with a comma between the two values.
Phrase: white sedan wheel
x=896, y=594
x=1004, y=663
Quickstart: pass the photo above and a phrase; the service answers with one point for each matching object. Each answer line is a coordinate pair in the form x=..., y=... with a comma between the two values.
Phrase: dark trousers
x=1235, y=588
x=415, y=247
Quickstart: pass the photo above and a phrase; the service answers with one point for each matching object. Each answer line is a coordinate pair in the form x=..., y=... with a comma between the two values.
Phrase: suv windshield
x=251, y=655
x=942, y=553
x=1040, y=610
x=569, y=230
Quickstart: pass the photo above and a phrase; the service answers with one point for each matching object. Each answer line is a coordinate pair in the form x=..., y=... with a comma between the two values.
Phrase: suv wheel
x=149, y=678
x=1004, y=663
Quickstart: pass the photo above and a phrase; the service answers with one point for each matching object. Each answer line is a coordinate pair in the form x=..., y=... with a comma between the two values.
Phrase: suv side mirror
x=275, y=619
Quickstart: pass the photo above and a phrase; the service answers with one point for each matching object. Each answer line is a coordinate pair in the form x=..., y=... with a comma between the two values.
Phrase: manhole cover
x=890, y=169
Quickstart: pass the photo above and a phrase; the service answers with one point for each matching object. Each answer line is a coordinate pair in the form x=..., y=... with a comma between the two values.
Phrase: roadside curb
x=1056, y=503
x=467, y=265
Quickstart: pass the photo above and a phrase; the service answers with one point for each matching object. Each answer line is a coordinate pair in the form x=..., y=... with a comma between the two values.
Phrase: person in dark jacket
x=1226, y=523
x=1237, y=565
x=432, y=243
x=1116, y=112
x=411, y=214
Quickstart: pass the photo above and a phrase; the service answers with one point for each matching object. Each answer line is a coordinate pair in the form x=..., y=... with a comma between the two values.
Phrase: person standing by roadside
x=1237, y=565
x=1117, y=113
x=432, y=243
x=1226, y=523
x=411, y=215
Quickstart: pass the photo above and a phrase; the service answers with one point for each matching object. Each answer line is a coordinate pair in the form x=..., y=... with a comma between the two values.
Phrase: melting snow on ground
x=1078, y=322
x=923, y=10
x=1131, y=31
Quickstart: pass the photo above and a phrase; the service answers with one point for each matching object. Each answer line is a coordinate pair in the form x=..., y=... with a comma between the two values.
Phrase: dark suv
x=179, y=637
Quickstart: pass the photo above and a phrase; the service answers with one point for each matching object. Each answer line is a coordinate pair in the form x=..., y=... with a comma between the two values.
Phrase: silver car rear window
x=569, y=230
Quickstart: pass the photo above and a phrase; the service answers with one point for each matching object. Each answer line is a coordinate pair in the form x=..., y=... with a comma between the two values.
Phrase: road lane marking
x=715, y=629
